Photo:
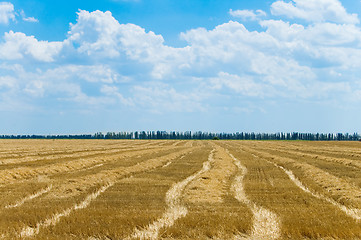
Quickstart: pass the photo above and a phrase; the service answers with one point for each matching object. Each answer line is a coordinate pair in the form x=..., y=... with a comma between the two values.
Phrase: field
x=140, y=189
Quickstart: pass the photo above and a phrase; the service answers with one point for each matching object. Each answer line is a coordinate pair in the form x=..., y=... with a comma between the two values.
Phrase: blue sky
x=126, y=65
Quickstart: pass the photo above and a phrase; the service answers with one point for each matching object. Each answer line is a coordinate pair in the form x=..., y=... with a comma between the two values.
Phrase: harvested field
x=168, y=189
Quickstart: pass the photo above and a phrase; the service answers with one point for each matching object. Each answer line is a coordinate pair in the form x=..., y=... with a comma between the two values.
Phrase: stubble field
x=139, y=189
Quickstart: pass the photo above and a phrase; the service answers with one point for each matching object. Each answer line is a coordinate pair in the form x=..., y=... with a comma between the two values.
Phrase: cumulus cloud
x=6, y=12
x=314, y=11
x=87, y=85
x=248, y=14
x=96, y=32
x=91, y=73
x=99, y=33
x=320, y=34
x=125, y=64
x=16, y=45
x=252, y=56
x=82, y=78
x=319, y=45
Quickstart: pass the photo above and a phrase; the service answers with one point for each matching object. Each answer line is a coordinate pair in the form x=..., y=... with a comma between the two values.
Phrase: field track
x=168, y=189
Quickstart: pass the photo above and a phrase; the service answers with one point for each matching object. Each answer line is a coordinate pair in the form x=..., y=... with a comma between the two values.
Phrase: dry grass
x=266, y=224
x=325, y=183
x=213, y=210
x=213, y=184
x=302, y=215
x=75, y=163
x=176, y=209
x=131, y=203
x=92, y=189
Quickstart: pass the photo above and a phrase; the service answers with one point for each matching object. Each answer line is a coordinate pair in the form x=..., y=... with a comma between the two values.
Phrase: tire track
x=110, y=178
x=213, y=185
x=333, y=149
x=29, y=197
x=73, y=186
x=51, y=154
x=170, y=162
x=355, y=213
x=343, y=161
x=265, y=223
x=95, y=166
x=338, y=188
x=51, y=159
x=175, y=209
x=23, y=173
x=167, y=164
x=53, y=220
x=352, y=212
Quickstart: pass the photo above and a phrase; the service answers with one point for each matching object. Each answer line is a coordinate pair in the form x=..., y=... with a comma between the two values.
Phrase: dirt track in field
x=265, y=223
x=175, y=208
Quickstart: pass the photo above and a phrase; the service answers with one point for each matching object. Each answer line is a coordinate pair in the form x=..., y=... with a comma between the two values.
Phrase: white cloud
x=114, y=92
x=260, y=61
x=6, y=12
x=17, y=45
x=73, y=93
x=283, y=30
x=231, y=46
x=27, y=19
x=30, y=19
x=317, y=45
x=92, y=73
x=160, y=97
x=7, y=82
x=96, y=33
x=322, y=35
x=113, y=63
x=314, y=11
x=86, y=85
x=248, y=14
x=330, y=34
x=243, y=85
x=35, y=88
x=99, y=35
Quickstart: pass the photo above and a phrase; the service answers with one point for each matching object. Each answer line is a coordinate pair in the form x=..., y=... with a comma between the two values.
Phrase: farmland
x=177, y=189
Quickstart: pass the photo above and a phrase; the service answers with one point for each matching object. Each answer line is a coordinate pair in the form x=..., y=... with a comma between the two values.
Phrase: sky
x=73, y=67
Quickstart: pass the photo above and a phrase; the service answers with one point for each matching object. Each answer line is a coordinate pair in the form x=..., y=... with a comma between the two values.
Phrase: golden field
x=169, y=189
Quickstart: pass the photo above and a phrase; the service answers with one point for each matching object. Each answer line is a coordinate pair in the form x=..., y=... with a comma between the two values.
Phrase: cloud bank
x=103, y=62
x=7, y=13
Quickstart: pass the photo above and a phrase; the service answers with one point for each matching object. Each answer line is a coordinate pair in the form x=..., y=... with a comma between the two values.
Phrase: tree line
x=199, y=136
